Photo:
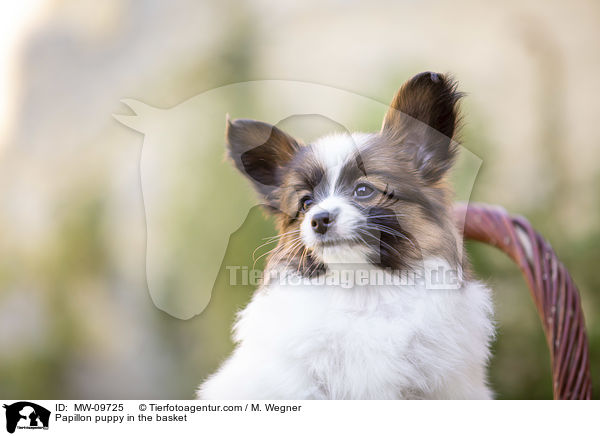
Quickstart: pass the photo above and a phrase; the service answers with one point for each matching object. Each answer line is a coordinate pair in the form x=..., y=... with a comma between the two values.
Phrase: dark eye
x=306, y=202
x=363, y=191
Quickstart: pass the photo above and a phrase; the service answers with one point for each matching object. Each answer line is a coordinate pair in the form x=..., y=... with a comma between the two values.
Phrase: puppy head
x=379, y=198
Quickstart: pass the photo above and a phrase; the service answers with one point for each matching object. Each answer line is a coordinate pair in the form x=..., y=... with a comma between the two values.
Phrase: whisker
x=386, y=216
x=261, y=246
x=390, y=247
x=263, y=255
x=274, y=251
x=296, y=252
x=390, y=231
x=267, y=243
x=302, y=257
x=296, y=249
x=381, y=227
x=285, y=250
x=279, y=236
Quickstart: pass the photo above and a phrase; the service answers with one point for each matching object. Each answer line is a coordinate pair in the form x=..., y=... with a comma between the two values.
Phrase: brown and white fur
x=360, y=203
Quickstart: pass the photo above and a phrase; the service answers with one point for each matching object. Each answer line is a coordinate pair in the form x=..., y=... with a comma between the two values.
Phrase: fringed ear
x=260, y=151
x=423, y=117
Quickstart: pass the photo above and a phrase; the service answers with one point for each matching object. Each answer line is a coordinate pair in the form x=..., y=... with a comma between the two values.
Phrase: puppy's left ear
x=423, y=118
x=260, y=151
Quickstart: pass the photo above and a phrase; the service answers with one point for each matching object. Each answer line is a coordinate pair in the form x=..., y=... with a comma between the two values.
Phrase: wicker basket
x=553, y=291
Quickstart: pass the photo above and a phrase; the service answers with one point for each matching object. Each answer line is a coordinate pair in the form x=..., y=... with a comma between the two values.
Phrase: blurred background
x=76, y=317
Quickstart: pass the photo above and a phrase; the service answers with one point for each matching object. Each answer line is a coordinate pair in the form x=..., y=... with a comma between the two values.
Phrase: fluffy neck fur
x=364, y=342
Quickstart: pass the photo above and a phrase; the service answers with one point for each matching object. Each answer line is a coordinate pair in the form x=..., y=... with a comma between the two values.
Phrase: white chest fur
x=298, y=341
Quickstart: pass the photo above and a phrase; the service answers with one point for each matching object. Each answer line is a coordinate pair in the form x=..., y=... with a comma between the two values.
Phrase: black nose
x=321, y=221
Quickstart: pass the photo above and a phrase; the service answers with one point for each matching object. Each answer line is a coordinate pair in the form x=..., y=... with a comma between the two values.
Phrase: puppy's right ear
x=260, y=151
x=423, y=118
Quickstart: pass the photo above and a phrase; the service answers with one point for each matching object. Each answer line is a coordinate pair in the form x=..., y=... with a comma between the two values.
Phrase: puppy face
x=378, y=198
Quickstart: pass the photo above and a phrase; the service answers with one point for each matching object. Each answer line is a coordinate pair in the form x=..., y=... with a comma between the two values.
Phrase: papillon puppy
x=367, y=294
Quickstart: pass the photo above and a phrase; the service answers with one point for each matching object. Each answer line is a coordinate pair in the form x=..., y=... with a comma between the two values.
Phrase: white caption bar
x=299, y=417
